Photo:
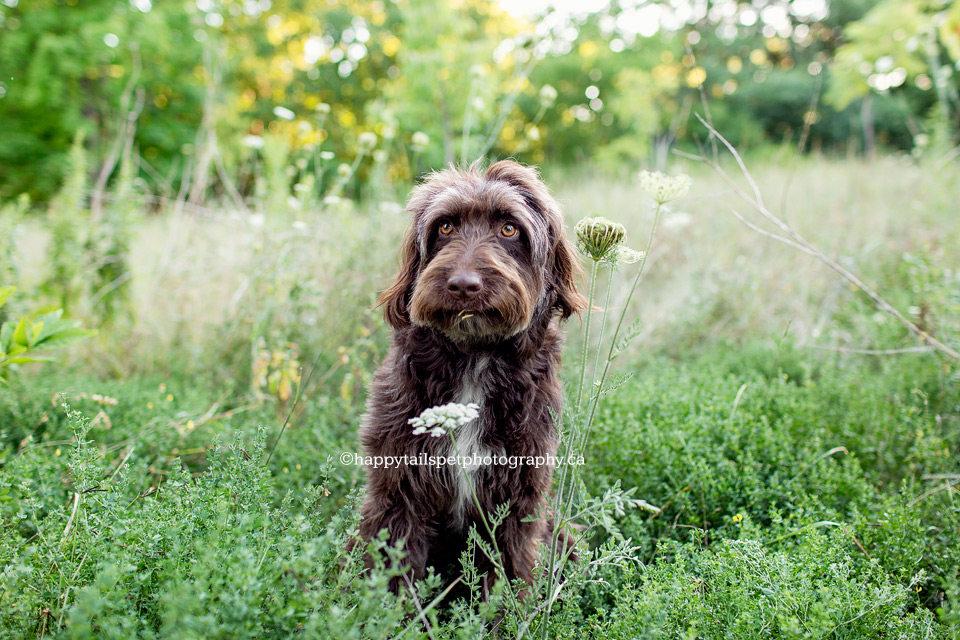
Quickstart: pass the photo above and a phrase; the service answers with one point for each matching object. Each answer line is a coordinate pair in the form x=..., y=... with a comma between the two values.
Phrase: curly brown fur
x=475, y=311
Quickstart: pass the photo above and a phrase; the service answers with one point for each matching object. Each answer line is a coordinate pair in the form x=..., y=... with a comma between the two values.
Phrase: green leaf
x=14, y=350
x=25, y=360
x=20, y=333
x=6, y=332
x=65, y=336
x=5, y=293
x=52, y=323
x=34, y=329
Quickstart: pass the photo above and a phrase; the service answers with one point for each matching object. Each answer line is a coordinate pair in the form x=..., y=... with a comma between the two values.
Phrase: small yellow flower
x=190, y=425
x=664, y=188
x=169, y=397
x=57, y=452
x=738, y=517
x=149, y=405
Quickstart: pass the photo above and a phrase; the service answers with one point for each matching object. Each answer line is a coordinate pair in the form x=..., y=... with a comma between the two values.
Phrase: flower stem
x=586, y=335
x=603, y=324
x=616, y=332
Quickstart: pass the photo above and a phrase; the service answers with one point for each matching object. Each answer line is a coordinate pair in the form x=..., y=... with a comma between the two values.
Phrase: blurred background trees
x=231, y=98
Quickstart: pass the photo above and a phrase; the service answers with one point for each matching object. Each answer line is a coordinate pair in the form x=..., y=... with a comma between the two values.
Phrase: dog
x=486, y=277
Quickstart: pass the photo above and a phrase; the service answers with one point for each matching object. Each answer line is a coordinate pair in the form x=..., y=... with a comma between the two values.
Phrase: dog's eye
x=446, y=228
x=508, y=230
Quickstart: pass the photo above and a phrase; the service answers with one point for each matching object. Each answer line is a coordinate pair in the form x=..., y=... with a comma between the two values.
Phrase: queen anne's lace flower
x=664, y=188
x=624, y=255
x=367, y=140
x=438, y=421
x=419, y=141
x=548, y=95
x=598, y=237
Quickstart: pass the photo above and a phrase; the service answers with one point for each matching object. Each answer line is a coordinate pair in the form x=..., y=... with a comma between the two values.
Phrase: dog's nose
x=464, y=285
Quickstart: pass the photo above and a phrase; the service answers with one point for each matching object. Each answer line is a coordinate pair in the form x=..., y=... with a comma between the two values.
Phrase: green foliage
x=318, y=75
x=740, y=588
x=160, y=530
x=21, y=340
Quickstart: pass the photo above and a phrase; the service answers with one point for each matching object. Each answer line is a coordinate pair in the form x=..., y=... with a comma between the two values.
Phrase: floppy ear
x=562, y=261
x=567, y=270
x=395, y=298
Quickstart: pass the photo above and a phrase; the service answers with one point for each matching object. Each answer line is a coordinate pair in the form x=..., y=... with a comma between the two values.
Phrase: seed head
x=598, y=237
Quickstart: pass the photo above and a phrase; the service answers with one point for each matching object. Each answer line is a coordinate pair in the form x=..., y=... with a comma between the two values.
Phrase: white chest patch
x=469, y=449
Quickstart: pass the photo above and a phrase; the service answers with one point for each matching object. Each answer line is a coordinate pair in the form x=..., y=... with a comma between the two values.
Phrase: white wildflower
x=367, y=140
x=664, y=188
x=283, y=113
x=548, y=95
x=420, y=140
x=323, y=108
x=438, y=421
x=624, y=255
x=344, y=170
x=253, y=142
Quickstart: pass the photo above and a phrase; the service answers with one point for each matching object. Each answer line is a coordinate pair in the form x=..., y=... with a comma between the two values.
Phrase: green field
x=807, y=490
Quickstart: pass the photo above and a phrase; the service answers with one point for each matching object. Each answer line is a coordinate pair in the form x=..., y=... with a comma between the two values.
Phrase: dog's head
x=484, y=256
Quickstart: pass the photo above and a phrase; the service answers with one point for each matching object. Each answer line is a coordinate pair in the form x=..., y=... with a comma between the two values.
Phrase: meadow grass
x=805, y=492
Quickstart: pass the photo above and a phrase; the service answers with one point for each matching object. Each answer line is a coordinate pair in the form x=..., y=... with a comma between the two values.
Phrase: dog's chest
x=470, y=449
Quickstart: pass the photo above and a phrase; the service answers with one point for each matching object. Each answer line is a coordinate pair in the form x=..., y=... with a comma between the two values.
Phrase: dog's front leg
x=405, y=525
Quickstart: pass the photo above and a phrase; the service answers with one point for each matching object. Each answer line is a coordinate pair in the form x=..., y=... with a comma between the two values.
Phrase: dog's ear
x=563, y=262
x=395, y=298
x=567, y=270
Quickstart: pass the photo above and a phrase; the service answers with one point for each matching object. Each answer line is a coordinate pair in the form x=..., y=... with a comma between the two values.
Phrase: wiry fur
x=500, y=349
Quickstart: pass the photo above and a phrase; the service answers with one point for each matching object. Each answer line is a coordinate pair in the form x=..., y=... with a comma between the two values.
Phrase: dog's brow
x=448, y=202
x=464, y=201
x=503, y=198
